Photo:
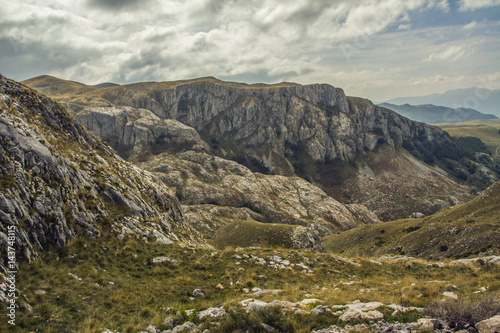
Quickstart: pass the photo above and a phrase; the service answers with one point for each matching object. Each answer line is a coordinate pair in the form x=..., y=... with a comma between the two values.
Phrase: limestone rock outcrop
x=215, y=191
x=59, y=182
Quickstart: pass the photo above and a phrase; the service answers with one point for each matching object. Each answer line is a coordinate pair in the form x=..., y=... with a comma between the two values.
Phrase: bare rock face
x=139, y=132
x=318, y=117
x=58, y=182
x=214, y=191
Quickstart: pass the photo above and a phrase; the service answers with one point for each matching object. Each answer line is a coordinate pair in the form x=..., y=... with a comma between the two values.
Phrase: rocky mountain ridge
x=314, y=131
x=319, y=116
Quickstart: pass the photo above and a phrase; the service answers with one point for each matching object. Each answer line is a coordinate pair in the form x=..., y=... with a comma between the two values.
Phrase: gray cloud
x=117, y=5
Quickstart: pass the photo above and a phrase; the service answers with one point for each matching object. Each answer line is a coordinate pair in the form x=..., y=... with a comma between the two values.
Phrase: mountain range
x=432, y=114
x=306, y=157
x=353, y=150
x=207, y=191
x=483, y=99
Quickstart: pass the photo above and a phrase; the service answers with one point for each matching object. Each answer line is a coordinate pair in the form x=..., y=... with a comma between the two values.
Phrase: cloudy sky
x=377, y=49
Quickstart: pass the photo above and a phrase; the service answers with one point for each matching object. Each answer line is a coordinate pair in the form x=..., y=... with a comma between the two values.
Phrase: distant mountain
x=480, y=99
x=433, y=114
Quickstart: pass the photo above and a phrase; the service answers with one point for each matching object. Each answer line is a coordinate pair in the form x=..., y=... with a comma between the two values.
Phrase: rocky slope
x=216, y=192
x=59, y=182
x=314, y=131
x=456, y=232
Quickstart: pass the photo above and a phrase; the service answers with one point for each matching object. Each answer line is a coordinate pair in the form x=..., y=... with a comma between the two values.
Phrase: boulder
x=320, y=309
x=212, y=312
x=308, y=301
x=356, y=315
x=429, y=324
x=450, y=295
x=160, y=259
x=491, y=325
x=186, y=327
x=168, y=323
x=151, y=329
x=197, y=293
x=364, y=306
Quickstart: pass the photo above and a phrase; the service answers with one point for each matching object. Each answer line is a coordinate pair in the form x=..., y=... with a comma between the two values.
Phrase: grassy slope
x=142, y=291
x=250, y=233
x=460, y=231
x=486, y=130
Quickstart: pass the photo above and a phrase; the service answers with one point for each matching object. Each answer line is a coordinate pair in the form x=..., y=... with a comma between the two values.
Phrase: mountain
x=59, y=182
x=481, y=99
x=99, y=190
x=116, y=250
x=432, y=114
x=456, y=232
x=356, y=152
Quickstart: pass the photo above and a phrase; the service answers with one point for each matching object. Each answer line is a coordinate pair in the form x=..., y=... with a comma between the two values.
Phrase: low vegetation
x=251, y=233
x=486, y=130
x=469, y=229
x=90, y=285
x=464, y=313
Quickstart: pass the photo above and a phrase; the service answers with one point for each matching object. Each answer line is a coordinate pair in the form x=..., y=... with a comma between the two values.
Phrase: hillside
x=472, y=228
x=486, y=130
x=432, y=114
x=314, y=132
x=59, y=182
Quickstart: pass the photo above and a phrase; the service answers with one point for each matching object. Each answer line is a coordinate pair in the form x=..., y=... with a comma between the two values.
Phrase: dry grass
x=143, y=291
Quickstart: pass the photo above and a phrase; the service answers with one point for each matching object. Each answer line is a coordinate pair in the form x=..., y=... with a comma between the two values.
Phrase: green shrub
x=466, y=312
x=238, y=320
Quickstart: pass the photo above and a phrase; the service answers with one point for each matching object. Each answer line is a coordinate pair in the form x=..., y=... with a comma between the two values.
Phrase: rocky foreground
x=450, y=314
x=355, y=317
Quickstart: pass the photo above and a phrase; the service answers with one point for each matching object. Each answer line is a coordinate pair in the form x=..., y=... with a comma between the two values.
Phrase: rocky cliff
x=336, y=142
x=59, y=182
x=317, y=118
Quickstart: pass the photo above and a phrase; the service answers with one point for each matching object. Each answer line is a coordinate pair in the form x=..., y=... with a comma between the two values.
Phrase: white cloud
x=467, y=5
x=452, y=53
x=404, y=27
x=470, y=25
